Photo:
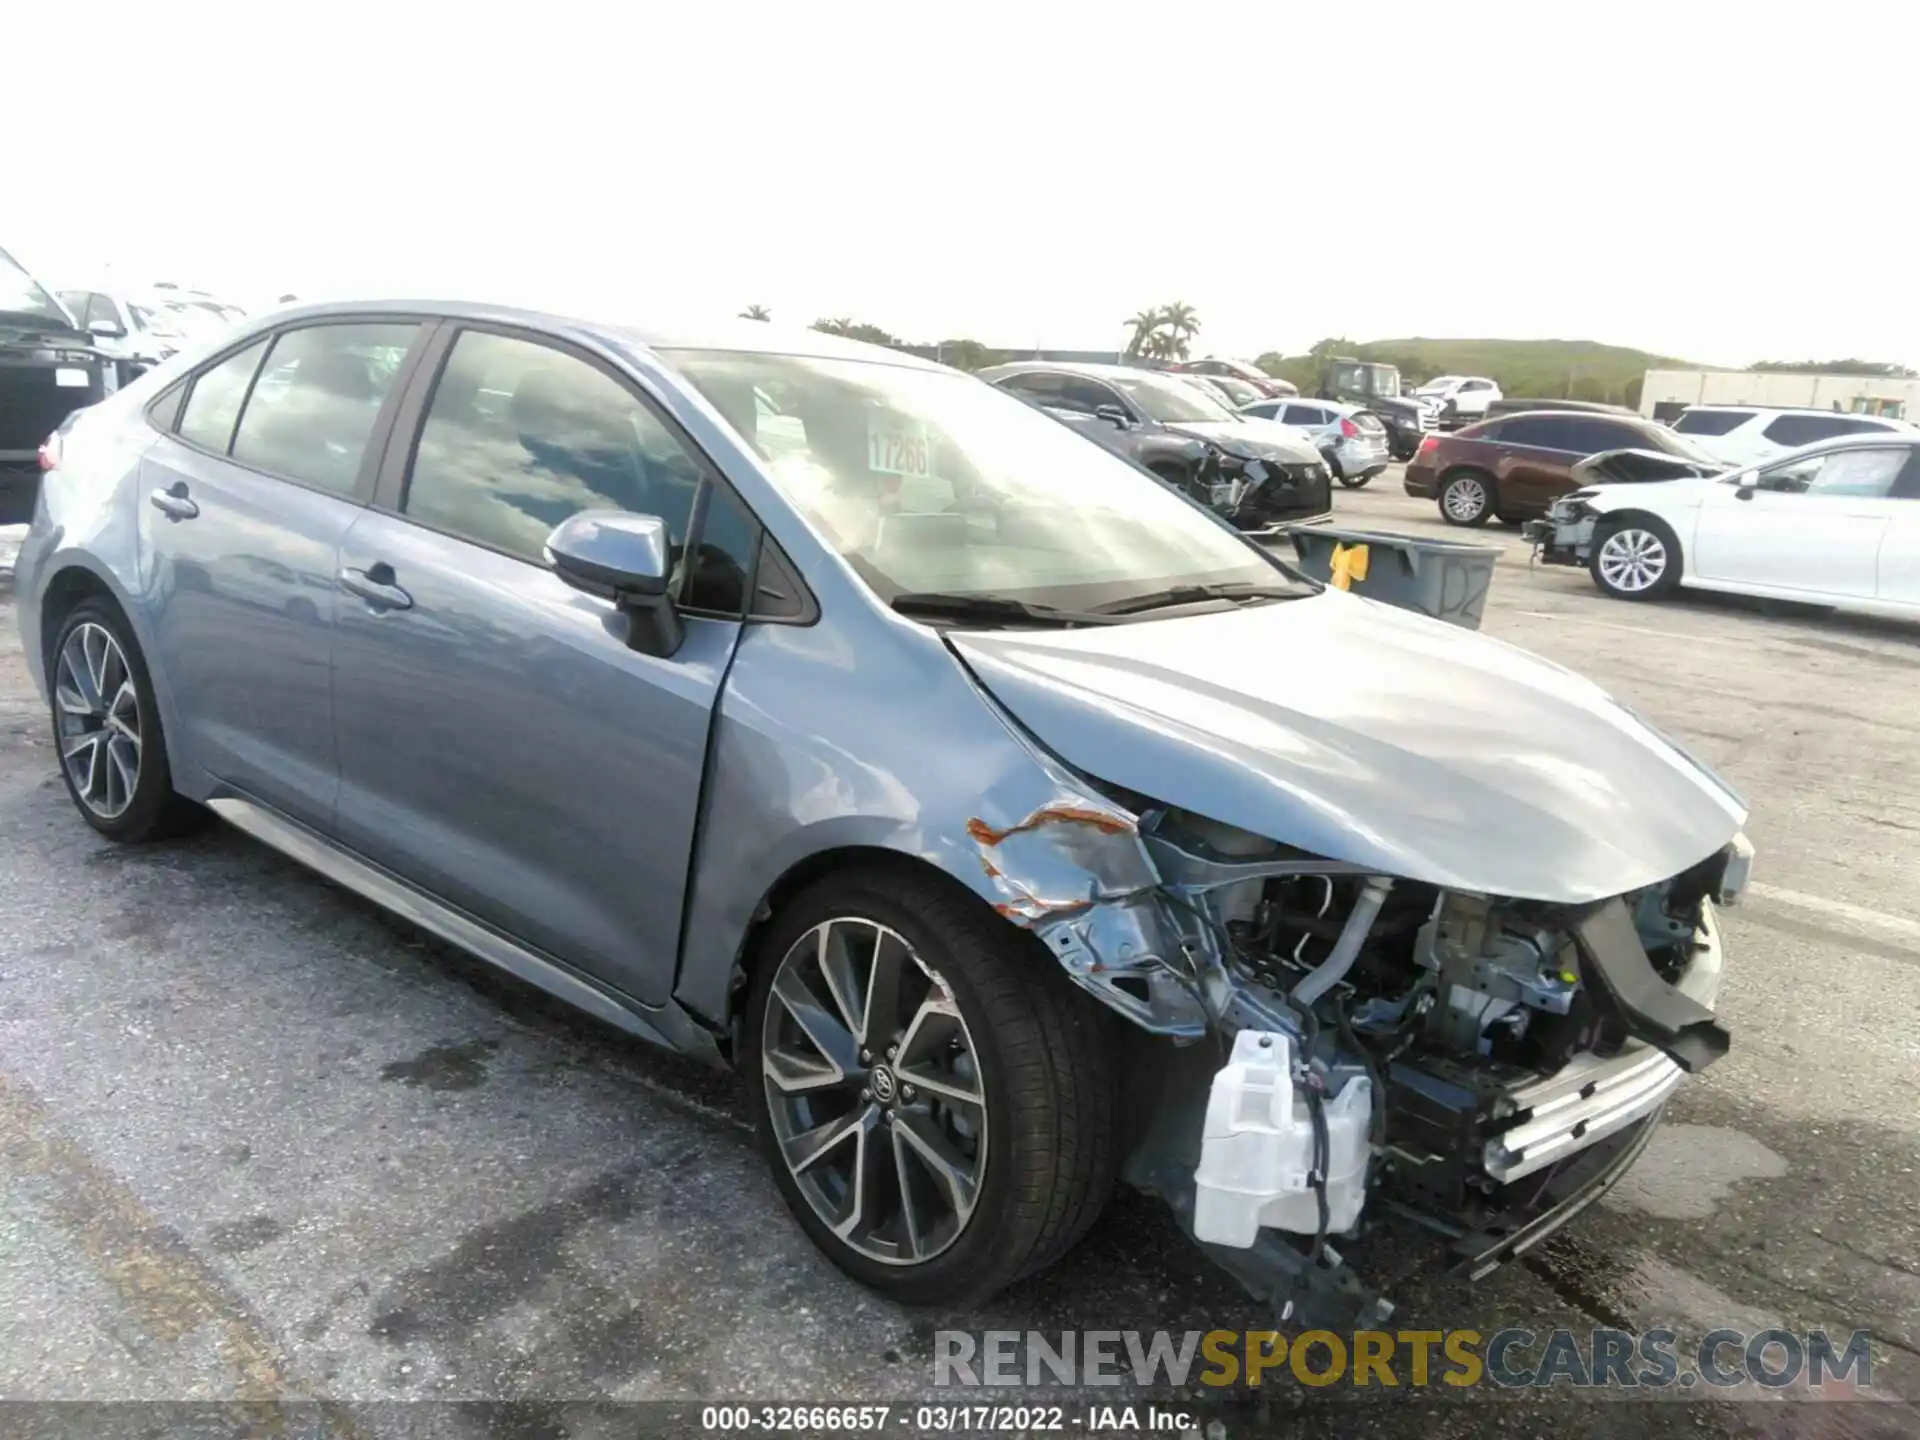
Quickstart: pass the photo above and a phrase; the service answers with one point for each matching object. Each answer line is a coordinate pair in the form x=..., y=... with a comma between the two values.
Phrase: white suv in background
x=1748, y=434
x=1458, y=399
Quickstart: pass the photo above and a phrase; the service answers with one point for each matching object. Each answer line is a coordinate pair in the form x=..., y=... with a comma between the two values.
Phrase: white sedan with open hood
x=1831, y=524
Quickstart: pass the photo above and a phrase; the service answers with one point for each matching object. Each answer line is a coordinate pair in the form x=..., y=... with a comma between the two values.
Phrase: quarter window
x=520, y=436
x=315, y=404
x=214, y=403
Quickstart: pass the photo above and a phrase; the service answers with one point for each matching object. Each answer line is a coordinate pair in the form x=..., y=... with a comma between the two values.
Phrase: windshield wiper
x=1194, y=594
x=938, y=605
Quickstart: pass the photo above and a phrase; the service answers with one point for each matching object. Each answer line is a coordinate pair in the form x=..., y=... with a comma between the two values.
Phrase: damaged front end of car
x=1320, y=1047
x=1258, y=493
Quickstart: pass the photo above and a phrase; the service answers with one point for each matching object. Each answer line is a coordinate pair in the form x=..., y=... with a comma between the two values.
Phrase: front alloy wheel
x=874, y=1091
x=1636, y=561
x=97, y=720
x=939, y=1103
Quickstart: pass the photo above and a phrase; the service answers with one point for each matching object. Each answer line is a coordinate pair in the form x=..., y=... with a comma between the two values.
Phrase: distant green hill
x=1550, y=369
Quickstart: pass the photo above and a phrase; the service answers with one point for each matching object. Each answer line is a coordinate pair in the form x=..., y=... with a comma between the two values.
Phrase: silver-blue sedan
x=1353, y=440
x=1014, y=825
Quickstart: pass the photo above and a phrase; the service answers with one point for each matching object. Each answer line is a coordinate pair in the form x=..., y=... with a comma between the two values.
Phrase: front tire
x=1635, y=558
x=1466, y=498
x=106, y=729
x=938, y=1104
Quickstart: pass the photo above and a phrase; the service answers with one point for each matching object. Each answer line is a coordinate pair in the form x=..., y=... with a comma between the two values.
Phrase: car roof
x=1565, y=415
x=1794, y=410
x=762, y=337
x=1083, y=367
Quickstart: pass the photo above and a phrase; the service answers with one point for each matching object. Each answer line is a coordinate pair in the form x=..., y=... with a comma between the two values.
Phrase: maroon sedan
x=1514, y=466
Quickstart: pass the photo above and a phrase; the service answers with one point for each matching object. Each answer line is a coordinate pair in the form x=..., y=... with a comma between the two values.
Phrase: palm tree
x=756, y=312
x=1163, y=345
x=1143, y=326
x=1183, y=322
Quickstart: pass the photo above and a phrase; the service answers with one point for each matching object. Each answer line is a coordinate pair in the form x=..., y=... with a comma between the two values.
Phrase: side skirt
x=668, y=1025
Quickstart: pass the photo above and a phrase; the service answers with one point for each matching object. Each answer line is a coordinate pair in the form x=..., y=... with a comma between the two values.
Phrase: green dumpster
x=1447, y=579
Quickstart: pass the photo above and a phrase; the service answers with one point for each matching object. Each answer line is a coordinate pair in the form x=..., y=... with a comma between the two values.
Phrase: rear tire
x=1635, y=557
x=1467, y=497
x=978, y=1010
x=107, y=732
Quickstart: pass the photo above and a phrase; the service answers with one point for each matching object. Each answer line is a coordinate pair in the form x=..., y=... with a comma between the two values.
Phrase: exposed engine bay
x=1350, y=1045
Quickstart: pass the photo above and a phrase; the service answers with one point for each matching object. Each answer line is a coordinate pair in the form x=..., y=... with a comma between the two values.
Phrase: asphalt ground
x=261, y=1143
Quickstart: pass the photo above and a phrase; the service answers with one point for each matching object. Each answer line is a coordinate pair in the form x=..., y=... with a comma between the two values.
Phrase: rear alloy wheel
x=1635, y=559
x=1466, y=498
x=107, y=727
x=937, y=1102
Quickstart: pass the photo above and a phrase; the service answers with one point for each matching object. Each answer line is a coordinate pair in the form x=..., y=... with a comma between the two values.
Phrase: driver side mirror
x=1745, y=483
x=105, y=328
x=627, y=559
x=1114, y=416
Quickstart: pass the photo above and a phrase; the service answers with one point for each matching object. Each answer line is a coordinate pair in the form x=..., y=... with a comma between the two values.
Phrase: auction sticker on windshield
x=897, y=452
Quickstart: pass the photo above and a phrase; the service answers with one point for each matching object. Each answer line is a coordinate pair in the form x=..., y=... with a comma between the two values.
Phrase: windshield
x=21, y=294
x=1386, y=381
x=929, y=482
x=1439, y=383
x=185, y=319
x=1170, y=401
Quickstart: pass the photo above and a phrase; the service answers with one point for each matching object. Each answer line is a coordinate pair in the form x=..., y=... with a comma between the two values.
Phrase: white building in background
x=1665, y=393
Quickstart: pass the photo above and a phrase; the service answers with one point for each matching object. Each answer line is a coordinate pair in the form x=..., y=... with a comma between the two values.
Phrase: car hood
x=1252, y=439
x=1371, y=735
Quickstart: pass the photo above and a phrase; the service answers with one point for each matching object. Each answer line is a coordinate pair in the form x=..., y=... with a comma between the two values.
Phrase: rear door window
x=1308, y=415
x=1791, y=430
x=1712, y=422
x=317, y=400
x=214, y=402
x=1543, y=432
x=1590, y=437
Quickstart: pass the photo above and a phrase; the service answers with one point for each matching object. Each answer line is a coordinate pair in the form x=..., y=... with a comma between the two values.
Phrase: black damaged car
x=1253, y=473
x=48, y=369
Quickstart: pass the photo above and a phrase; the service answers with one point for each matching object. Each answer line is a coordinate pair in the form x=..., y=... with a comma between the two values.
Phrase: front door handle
x=173, y=502
x=375, y=586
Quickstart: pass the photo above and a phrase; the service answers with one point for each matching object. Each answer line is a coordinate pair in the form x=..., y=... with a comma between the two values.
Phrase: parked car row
x=1512, y=467
x=1256, y=474
x=140, y=328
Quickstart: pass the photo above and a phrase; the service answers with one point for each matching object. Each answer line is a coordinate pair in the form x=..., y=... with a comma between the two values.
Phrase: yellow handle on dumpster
x=1349, y=564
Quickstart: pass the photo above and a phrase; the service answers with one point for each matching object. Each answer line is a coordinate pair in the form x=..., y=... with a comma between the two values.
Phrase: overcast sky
x=1720, y=182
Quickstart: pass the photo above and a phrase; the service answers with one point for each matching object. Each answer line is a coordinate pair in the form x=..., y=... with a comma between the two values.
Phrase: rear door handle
x=375, y=586
x=173, y=502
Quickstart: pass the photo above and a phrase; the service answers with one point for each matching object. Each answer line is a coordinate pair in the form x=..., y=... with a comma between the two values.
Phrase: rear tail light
x=50, y=451
x=1432, y=442
x=1348, y=430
